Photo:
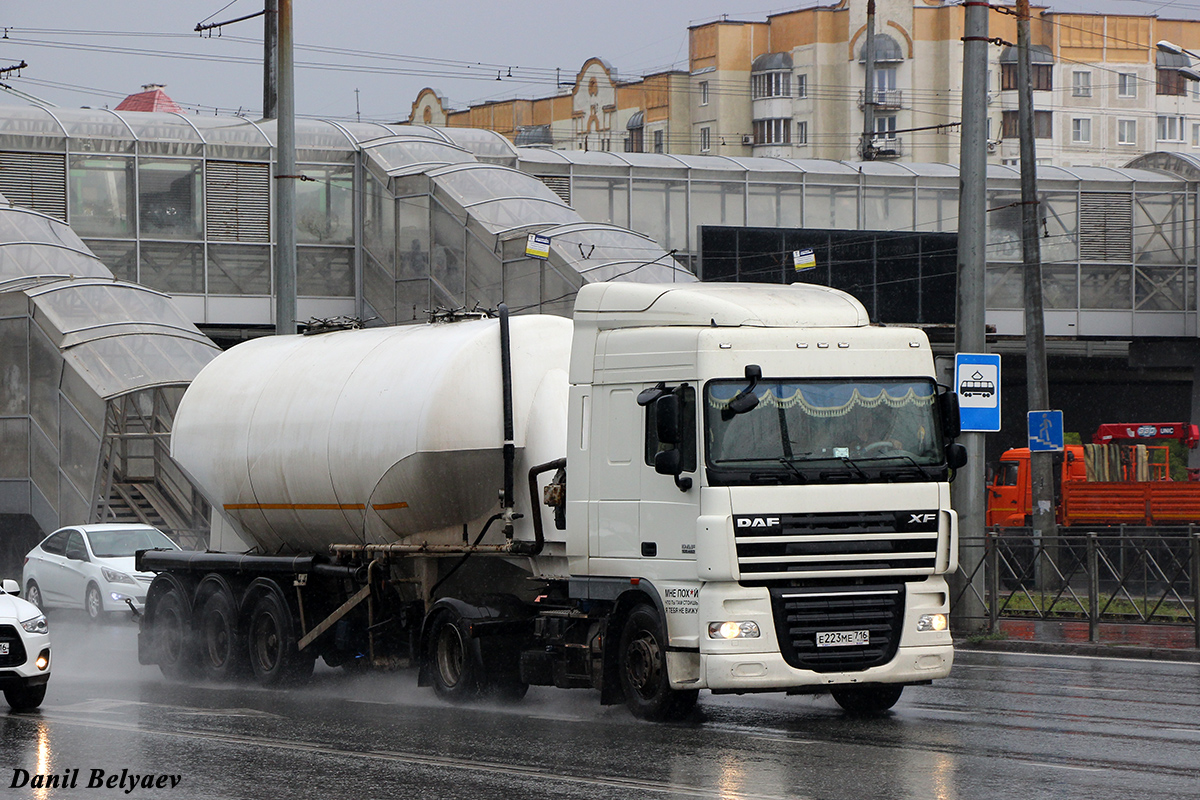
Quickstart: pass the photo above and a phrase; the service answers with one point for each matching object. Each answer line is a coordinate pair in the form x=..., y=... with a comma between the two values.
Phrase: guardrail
x=1129, y=575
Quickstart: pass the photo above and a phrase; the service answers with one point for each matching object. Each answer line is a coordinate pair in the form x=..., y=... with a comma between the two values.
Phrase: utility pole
x=970, y=336
x=270, y=54
x=1036, y=381
x=285, y=178
x=866, y=147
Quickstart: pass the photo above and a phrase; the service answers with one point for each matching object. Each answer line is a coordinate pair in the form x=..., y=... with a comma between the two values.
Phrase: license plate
x=3, y=648
x=843, y=638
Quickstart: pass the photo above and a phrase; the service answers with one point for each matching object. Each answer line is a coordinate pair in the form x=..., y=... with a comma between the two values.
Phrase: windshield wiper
x=904, y=456
x=800, y=476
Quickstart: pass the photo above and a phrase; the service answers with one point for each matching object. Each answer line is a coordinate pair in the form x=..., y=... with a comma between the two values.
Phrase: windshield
x=824, y=430
x=121, y=543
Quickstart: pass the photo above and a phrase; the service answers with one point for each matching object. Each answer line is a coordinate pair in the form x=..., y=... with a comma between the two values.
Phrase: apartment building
x=794, y=86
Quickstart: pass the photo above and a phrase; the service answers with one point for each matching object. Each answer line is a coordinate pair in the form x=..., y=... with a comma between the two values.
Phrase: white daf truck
x=732, y=487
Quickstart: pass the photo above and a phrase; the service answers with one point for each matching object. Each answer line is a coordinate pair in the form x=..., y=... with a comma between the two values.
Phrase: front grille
x=16, y=648
x=800, y=615
x=788, y=547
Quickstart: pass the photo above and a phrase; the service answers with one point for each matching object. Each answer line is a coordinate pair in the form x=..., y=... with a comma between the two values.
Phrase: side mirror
x=666, y=414
x=670, y=462
x=956, y=455
x=76, y=554
x=951, y=417
x=11, y=587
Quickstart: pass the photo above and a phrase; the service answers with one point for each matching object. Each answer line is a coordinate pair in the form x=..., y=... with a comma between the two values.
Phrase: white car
x=24, y=650
x=91, y=567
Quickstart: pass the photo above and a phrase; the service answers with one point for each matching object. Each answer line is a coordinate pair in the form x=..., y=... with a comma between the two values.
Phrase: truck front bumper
x=754, y=672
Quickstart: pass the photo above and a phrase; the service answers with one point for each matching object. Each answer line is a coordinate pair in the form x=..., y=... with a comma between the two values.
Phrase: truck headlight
x=112, y=576
x=733, y=630
x=36, y=625
x=932, y=622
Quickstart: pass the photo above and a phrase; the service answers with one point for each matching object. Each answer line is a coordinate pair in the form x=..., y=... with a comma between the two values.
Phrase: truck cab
x=778, y=486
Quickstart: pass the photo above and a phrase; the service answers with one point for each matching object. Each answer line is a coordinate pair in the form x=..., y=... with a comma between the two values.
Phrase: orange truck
x=1117, y=480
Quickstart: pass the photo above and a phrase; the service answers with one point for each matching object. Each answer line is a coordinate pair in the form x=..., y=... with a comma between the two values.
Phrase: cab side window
x=687, y=430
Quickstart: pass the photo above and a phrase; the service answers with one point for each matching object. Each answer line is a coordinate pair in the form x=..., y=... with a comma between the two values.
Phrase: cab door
x=670, y=503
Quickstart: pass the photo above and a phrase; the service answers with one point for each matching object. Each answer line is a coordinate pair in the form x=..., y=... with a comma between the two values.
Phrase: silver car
x=91, y=567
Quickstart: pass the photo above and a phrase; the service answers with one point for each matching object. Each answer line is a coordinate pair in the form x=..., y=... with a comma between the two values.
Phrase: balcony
x=887, y=147
x=884, y=98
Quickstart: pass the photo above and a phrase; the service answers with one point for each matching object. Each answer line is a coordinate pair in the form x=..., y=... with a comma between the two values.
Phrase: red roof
x=154, y=99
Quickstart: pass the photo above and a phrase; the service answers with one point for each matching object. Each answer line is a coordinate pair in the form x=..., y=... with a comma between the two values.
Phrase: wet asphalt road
x=1002, y=726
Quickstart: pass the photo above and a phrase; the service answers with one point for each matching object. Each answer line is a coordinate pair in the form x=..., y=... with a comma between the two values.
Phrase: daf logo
x=757, y=522
x=920, y=518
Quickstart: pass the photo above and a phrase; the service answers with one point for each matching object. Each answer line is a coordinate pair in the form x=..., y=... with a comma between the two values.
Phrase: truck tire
x=455, y=669
x=867, y=701
x=271, y=643
x=171, y=635
x=222, y=646
x=25, y=698
x=642, y=664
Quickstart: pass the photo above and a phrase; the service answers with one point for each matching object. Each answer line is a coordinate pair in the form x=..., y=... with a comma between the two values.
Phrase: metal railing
x=1126, y=575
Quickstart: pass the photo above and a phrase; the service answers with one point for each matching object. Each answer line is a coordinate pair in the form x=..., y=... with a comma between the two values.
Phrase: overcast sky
x=378, y=54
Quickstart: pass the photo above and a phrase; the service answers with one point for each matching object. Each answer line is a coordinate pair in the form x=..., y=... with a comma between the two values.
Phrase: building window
x=802, y=85
x=1126, y=84
x=1042, y=76
x=703, y=93
x=772, y=131
x=1195, y=135
x=1081, y=84
x=771, y=84
x=1127, y=131
x=1170, y=129
x=1170, y=82
x=705, y=140
x=1042, y=125
x=658, y=141
x=801, y=133
x=1081, y=130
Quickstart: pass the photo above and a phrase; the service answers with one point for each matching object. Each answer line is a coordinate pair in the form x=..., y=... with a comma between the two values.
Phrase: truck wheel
x=274, y=658
x=171, y=635
x=25, y=698
x=222, y=646
x=454, y=667
x=867, y=701
x=643, y=670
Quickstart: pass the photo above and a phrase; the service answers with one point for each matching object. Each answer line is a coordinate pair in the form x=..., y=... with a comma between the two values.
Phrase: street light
x=1176, y=50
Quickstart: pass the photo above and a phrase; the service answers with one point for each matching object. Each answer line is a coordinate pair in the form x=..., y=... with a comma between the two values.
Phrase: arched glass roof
x=120, y=337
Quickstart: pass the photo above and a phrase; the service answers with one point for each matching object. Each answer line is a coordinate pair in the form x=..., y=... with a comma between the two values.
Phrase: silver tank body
x=372, y=436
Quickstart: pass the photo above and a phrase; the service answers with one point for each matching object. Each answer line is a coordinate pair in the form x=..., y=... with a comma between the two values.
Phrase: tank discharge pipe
x=510, y=449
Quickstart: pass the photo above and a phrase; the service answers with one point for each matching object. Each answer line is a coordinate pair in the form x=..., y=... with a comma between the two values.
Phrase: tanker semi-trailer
x=739, y=488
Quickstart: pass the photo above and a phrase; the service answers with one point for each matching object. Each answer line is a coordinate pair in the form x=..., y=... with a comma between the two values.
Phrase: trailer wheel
x=643, y=670
x=222, y=645
x=867, y=701
x=271, y=641
x=172, y=636
x=454, y=665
